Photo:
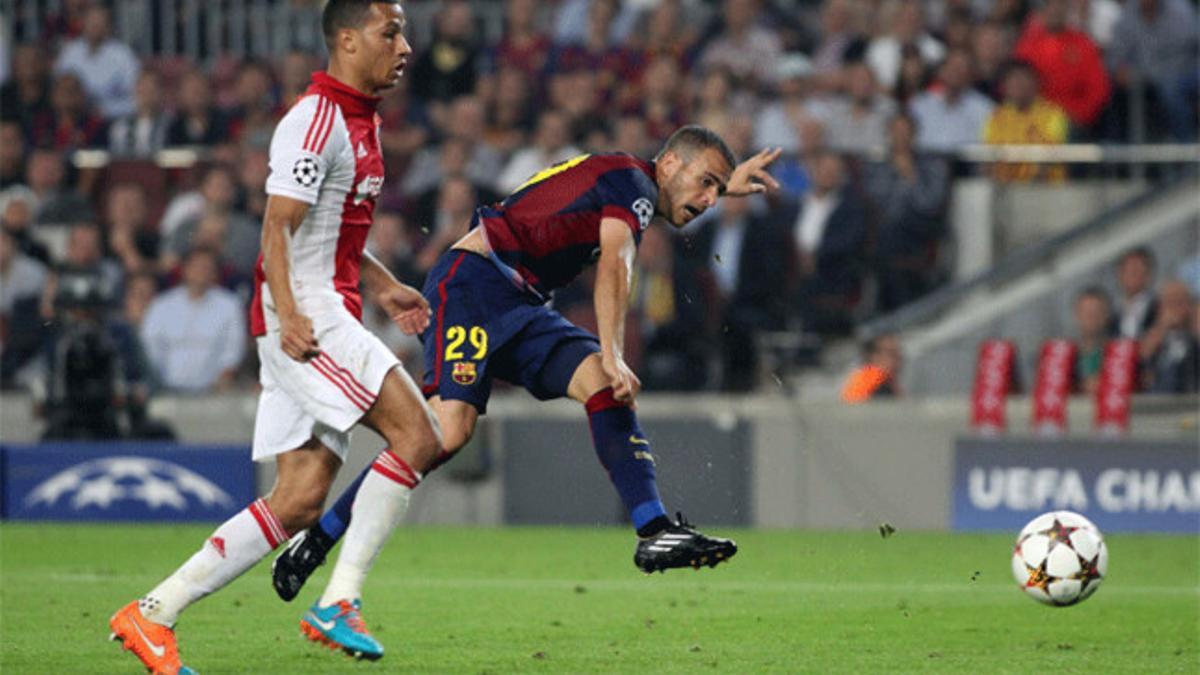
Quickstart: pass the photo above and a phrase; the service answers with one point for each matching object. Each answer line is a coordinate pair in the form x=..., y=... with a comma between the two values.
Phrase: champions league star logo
x=305, y=171
x=102, y=483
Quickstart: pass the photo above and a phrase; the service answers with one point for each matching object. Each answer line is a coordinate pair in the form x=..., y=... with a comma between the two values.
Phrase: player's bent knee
x=297, y=509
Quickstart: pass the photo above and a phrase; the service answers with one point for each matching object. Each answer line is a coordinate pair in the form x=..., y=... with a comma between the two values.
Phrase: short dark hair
x=1142, y=252
x=1096, y=292
x=1019, y=65
x=692, y=138
x=339, y=14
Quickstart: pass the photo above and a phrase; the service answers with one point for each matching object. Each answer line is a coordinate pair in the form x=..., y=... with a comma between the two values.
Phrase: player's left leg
x=414, y=441
x=624, y=451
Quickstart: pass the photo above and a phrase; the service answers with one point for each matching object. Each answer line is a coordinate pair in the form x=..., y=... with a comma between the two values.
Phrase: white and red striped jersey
x=325, y=152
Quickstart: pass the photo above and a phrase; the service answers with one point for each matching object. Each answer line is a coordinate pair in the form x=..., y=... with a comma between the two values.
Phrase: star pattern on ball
x=1038, y=577
x=1089, y=571
x=1058, y=532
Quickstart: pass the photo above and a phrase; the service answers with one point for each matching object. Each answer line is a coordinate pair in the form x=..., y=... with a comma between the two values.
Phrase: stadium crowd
x=866, y=97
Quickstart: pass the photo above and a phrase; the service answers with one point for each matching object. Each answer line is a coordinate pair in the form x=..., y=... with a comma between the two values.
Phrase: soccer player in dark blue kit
x=489, y=296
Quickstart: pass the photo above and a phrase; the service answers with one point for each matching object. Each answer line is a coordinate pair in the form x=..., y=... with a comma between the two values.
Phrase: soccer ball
x=1060, y=558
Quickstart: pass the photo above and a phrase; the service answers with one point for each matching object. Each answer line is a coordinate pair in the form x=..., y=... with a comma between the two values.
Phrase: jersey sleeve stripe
x=316, y=118
x=324, y=134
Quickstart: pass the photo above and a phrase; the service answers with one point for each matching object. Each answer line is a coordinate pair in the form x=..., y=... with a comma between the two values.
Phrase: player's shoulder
x=625, y=172
x=309, y=123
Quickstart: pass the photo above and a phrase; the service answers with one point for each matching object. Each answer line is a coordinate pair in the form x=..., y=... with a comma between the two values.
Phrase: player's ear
x=670, y=162
x=348, y=40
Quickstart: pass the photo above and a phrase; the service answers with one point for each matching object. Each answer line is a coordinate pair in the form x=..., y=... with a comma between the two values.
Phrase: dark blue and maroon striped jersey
x=544, y=234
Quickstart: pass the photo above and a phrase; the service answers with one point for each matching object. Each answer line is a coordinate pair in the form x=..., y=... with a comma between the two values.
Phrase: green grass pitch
x=462, y=600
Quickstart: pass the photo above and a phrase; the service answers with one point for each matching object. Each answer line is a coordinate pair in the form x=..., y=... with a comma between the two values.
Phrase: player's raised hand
x=625, y=384
x=406, y=307
x=751, y=177
x=297, y=338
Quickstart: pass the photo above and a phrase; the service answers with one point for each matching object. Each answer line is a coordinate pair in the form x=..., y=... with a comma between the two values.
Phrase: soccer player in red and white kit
x=322, y=371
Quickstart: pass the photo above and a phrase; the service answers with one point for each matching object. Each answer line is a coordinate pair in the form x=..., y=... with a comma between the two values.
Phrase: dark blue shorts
x=484, y=327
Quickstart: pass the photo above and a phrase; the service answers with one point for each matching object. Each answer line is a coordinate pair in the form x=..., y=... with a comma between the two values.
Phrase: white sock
x=380, y=505
x=232, y=549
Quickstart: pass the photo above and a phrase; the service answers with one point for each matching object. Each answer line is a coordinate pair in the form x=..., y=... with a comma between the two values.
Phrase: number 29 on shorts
x=456, y=336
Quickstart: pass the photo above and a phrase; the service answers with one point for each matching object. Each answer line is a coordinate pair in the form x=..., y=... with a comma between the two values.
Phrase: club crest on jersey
x=306, y=171
x=644, y=210
x=464, y=373
x=368, y=188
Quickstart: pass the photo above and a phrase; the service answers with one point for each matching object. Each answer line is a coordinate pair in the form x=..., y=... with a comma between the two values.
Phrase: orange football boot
x=151, y=642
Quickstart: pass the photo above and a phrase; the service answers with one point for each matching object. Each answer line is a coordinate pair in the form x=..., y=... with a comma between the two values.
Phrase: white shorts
x=323, y=397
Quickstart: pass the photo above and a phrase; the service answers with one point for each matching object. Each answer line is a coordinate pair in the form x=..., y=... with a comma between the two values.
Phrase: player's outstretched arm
x=282, y=218
x=751, y=177
x=404, y=305
x=614, y=272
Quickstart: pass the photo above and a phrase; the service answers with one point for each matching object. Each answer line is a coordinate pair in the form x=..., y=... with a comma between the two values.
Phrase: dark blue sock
x=337, y=519
x=625, y=453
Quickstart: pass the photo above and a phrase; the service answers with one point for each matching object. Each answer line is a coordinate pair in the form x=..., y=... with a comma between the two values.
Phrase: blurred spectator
x=523, y=46
x=1157, y=44
x=744, y=251
x=451, y=219
x=22, y=280
x=510, y=112
x=1097, y=18
x=879, y=375
x=252, y=118
x=69, y=123
x=85, y=251
x=909, y=192
x=857, y=121
x=295, y=74
x=229, y=235
x=905, y=25
x=958, y=31
x=97, y=379
x=12, y=154
x=195, y=333
x=197, y=121
x=447, y=69
x=56, y=203
x=1011, y=13
x=252, y=178
x=1068, y=63
x=992, y=48
x=661, y=104
x=27, y=95
x=745, y=46
x=610, y=70
x=829, y=235
x=1093, y=328
x=17, y=206
x=105, y=65
x=482, y=163
x=551, y=145
x=954, y=115
x=140, y=290
x=1136, y=306
x=666, y=306
x=1169, y=349
x=914, y=77
x=216, y=191
x=667, y=33
x=391, y=244
x=839, y=35
x=145, y=131
x=1025, y=119
x=573, y=19
x=132, y=238
x=777, y=121
x=629, y=135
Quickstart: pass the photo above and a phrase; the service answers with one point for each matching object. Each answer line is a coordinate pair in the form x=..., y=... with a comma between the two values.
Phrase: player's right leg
x=146, y=626
x=308, y=550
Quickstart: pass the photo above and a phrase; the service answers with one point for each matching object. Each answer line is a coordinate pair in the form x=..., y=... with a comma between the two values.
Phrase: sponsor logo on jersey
x=464, y=373
x=105, y=482
x=306, y=171
x=644, y=210
x=368, y=188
